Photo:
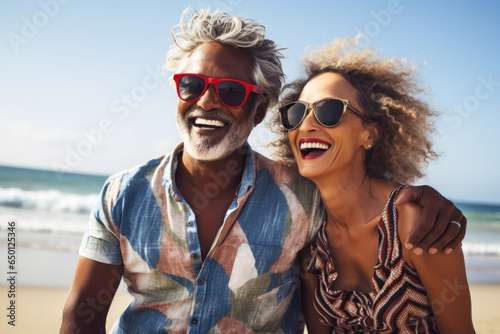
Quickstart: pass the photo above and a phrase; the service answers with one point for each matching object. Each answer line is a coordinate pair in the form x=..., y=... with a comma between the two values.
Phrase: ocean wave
x=47, y=200
x=481, y=249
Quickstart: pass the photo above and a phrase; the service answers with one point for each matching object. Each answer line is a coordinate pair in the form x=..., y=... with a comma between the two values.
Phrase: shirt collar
x=247, y=180
x=249, y=173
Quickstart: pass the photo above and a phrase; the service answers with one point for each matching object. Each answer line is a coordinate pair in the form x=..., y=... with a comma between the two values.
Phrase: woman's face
x=340, y=151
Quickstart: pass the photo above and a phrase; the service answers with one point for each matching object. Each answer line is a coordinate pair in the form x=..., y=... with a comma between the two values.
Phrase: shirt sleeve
x=101, y=241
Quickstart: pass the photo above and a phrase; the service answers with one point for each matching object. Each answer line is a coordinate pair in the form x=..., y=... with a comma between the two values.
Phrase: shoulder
x=140, y=171
x=286, y=177
x=139, y=174
x=280, y=173
x=407, y=217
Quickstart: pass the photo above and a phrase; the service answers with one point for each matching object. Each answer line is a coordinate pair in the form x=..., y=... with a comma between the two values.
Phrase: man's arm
x=433, y=231
x=93, y=289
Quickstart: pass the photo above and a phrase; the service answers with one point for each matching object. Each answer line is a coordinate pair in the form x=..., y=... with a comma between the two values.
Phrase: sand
x=39, y=309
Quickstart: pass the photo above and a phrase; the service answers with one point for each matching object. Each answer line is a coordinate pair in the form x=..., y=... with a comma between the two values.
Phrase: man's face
x=210, y=130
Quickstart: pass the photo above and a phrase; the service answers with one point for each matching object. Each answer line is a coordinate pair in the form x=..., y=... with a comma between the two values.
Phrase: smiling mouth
x=206, y=123
x=310, y=150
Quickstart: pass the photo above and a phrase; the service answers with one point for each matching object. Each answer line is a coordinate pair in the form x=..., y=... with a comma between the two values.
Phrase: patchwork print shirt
x=249, y=281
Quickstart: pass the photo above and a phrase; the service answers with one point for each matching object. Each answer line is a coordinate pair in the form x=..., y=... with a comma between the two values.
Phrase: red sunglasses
x=232, y=93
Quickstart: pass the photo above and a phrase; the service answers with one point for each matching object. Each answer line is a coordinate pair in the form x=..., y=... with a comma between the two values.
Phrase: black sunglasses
x=231, y=92
x=328, y=112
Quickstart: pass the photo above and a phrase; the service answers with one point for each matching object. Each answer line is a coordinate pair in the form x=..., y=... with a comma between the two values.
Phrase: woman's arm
x=444, y=279
x=308, y=285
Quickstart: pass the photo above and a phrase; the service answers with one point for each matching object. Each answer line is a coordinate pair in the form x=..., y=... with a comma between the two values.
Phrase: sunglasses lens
x=191, y=87
x=232, y=93
x=329, y=112
x=292, y=114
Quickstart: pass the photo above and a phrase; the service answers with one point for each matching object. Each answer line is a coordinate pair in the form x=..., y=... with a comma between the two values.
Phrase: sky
x=82, y=88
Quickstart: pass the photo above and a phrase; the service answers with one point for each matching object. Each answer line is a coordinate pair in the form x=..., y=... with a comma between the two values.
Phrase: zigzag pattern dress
x=398, y=302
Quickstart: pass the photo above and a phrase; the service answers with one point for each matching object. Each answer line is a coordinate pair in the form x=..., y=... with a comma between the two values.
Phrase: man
x=206, y=238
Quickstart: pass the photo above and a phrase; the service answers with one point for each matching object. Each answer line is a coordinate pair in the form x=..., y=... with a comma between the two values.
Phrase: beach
x=39, y=307
x=44, y=278
x=47, y=214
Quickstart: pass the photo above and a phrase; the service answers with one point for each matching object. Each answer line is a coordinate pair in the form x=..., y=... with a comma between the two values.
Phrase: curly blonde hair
x=387, y=91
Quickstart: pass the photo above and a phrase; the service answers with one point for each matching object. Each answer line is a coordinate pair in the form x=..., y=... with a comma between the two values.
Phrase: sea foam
x=481, y=249
x=47, y=200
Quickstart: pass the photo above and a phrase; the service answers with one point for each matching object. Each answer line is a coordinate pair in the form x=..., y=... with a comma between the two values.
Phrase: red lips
x=312, y=148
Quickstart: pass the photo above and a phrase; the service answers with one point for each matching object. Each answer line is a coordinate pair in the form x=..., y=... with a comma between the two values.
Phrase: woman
x=357, y=128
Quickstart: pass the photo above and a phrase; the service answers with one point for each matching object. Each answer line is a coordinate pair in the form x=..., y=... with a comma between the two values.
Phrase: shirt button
x=194, y=321
x=189, y=223
x=195, y=256
x=201, y=282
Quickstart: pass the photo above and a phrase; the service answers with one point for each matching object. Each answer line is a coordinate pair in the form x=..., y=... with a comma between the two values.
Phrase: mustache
x=214, y=113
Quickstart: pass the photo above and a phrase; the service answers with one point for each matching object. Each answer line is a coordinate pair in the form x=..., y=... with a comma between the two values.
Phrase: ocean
x=51, y=212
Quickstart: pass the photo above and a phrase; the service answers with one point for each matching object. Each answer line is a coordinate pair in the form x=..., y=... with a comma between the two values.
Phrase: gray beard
x=203, y=147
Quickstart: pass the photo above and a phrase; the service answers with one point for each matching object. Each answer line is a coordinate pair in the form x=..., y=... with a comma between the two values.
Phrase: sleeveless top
x=398, y=303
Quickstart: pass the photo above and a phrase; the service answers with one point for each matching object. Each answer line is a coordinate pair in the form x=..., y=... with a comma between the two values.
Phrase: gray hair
x=234, y=31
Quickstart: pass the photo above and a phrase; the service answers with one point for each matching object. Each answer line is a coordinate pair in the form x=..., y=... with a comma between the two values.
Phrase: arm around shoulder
x=433, y=231
x=90, y=297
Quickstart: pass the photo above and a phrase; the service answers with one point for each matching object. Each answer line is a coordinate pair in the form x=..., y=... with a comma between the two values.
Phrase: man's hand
x=434, y=231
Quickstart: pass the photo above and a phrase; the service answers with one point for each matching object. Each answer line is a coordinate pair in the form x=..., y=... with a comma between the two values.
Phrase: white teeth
x=211, y=122
x=320, y=146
